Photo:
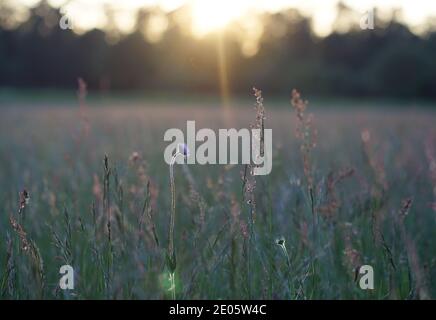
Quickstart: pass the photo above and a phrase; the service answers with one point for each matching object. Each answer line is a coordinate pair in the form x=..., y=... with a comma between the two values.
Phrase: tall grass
x=332, y=203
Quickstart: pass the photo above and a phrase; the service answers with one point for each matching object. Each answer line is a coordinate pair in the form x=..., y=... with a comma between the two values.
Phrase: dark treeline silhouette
x=387, y=61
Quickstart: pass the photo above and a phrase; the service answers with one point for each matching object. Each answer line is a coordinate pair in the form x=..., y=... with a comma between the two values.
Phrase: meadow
x=87, y=186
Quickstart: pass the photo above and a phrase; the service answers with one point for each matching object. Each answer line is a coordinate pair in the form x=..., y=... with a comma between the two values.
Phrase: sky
x=210, y=15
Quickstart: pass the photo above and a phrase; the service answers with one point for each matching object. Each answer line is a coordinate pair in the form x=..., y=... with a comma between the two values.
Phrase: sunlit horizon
x=209, y=16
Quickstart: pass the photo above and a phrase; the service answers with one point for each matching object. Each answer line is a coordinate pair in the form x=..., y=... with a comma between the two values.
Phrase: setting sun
x=211, y=16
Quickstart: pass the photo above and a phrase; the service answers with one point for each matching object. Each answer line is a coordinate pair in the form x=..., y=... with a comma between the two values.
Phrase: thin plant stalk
x=282, y=244
x=173, y=205
x=173, y=285
x=171, y=257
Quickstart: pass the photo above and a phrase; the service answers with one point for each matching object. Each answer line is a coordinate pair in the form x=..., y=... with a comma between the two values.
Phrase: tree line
x=389, y=61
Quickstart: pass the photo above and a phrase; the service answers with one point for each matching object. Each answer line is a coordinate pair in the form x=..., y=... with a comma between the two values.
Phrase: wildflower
x=183, y=149
x=281, y=242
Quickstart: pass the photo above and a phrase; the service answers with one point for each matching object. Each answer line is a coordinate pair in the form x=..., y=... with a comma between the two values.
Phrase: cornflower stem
x=173, y=205
x=171, y=253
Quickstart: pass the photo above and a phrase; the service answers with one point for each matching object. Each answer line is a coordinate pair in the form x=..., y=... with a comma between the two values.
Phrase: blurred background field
x=361, y=190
